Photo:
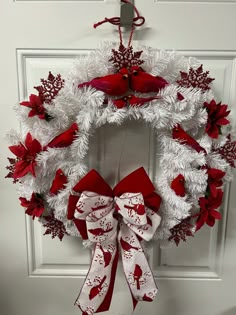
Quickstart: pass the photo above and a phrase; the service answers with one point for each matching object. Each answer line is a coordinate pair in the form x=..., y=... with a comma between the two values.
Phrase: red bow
x=132, y=207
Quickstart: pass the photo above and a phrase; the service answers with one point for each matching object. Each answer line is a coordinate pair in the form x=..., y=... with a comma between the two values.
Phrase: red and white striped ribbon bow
x=115, y=224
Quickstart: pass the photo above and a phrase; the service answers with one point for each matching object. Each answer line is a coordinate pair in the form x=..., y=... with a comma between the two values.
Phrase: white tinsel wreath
x=179, y=103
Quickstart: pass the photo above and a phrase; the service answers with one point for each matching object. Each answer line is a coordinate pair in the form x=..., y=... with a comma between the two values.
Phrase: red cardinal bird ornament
x=64, y=139
x=113, y=84
x=177, y=185
x=143, y=82
x=133, y=101
x=59, y=182
x=179, y=134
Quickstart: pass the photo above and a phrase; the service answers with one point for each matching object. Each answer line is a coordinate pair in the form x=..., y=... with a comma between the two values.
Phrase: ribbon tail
x=136, y=268
x=107, y=301
x=135, y=302
x=95, y=295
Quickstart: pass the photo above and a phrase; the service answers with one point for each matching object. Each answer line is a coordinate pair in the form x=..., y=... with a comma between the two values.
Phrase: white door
x=41, y=276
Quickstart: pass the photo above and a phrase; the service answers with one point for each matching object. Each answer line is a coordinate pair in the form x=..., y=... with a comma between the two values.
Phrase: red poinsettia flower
x=215, y=180
x=34, y=206
x=208, y=213
x=27, y=154
x=216, y=118
x=36, y=106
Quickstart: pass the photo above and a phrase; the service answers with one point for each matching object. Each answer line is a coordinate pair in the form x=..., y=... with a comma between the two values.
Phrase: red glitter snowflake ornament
x=195, y=78
x=228, y=151
x=11, y=169
x=50, y=87
x=181, y=231
x=125, y=57
x=54, y=227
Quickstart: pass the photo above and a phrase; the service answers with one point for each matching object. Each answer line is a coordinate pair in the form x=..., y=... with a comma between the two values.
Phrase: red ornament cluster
x=208, y=205
x=213, y=199
x=48, y=90
x=129, y=79
x=27, y=152
x=35, y=207
x=217, y=114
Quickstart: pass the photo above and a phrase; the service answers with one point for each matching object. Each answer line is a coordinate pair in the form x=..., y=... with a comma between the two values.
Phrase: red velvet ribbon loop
x=137, y=181
x=94, y=182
